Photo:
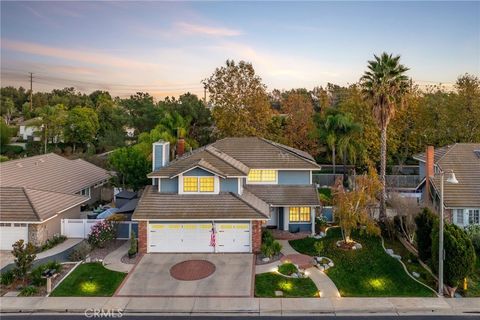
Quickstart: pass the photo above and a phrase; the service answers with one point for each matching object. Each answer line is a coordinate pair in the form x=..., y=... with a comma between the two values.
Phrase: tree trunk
x=383, y=165
x=345, y=169
x=333, y=159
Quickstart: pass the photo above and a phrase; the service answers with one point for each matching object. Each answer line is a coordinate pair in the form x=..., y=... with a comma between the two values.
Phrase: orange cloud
x=74, y=55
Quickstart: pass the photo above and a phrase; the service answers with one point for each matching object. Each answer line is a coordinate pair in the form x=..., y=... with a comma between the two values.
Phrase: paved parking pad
x=233, y=277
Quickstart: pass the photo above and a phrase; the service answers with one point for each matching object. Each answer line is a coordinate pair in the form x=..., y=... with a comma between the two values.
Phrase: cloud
x=198, y=29
x=74, y=55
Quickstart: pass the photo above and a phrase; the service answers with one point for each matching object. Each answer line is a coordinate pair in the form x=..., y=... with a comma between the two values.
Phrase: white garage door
x=179, y=237
x=11, y=233
x=233, y=237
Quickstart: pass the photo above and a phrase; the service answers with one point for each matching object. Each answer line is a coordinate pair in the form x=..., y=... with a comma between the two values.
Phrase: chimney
x=180, y=147
x=429, y=171
x=160, y=154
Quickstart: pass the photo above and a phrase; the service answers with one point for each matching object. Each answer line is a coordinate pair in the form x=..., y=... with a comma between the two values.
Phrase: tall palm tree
x=384, y=84
x=348, y=145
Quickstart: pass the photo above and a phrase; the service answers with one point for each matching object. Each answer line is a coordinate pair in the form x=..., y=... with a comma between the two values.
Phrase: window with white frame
x=85, y=192
x=474, y=216
x=198, y=184
x=262, y=176
x=460, y=216
x=299, y=214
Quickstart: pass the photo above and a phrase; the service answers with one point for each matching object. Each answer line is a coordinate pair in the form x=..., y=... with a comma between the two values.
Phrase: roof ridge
x=282, y=147
x=31, y=204
x=249, y=204
x=449, y=148
x=51, y=191
x=217, y=152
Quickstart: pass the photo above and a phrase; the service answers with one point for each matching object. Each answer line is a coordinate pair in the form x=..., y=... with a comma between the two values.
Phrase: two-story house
x=461, y=200
x=217, y=198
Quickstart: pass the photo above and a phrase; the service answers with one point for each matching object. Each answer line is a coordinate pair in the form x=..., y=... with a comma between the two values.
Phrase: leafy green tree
x=5, y=134
x=81, y=126
x=53, y=120
x=112, y=119
x=7, y=109
x=459, y=255
x=24, y=254
x=239, y=99
x=384, y=85
x=143, y=113
x=131, y=166
x=425, y=222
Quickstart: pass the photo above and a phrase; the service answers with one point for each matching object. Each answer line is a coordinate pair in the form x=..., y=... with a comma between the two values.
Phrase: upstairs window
x=190, y=184
x=198, y=184
x=256, y=175
x=299, y=214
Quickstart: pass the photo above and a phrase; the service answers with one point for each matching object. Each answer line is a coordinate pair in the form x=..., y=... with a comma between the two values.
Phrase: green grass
x=473, y=282
x=89, y=280
x=267, y=283
x=368, y=272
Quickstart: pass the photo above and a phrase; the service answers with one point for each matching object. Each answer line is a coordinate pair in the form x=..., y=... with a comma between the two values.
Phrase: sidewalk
x=113, y=260
x=252, y=306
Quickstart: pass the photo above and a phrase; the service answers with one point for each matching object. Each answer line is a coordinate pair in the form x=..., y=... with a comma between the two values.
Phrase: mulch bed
x=101, y=253
x=192, y=270
x=259, y=257
x=285, y=235
x=125, y=259
x=301, y=260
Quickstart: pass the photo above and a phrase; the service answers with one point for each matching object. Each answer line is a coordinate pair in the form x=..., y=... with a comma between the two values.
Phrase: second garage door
x=11, y=233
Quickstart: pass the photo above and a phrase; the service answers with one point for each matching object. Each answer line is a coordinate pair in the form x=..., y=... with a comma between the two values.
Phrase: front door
x=280, y=218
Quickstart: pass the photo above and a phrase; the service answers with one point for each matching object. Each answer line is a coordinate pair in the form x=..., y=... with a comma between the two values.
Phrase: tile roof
x=33, y=205
x=259, y=153
x=438, y=153
x=163, y=206
x=286, y=195
x=51, y=172
x=462, y=159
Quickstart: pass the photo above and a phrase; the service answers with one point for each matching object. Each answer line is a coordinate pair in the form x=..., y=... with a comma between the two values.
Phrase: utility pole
x=31, y=91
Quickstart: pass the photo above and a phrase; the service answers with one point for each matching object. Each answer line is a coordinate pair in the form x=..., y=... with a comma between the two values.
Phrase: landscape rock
x=415, y=274
x=330, y=264
x=389, y=251
x=266, y=259
x=321, y=268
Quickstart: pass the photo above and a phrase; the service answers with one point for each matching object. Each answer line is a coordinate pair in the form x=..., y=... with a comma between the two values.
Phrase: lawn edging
x=408, y=273
x=65, y=277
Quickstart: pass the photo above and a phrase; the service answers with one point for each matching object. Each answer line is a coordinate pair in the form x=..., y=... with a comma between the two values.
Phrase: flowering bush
x=101, y=233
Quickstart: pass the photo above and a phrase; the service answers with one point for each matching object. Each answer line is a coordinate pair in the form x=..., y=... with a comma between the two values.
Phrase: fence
x=393, y=181
x=80, y=228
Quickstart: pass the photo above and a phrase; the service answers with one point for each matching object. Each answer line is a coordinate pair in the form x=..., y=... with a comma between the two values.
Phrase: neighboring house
x=218, y=197
x=37, y=192
x=462, y=200
x=29, y=130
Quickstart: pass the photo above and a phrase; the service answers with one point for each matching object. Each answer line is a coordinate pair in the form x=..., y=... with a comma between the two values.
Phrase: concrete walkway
x=245, y=306
x=7, y=258
x=324, y=284
x=113, y=260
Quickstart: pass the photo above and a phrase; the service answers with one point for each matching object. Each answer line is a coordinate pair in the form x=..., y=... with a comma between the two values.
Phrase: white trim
x=193, y=220
x=197, y=166
x=159, y=182
x=240, y=186
x=264, y=182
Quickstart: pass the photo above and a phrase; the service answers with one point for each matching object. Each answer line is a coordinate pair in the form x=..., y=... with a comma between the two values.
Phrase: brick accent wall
x=142, y=236
x=256, y=236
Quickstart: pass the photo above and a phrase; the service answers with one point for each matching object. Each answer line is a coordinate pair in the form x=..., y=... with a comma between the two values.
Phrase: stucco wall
x=229, y=185
x=169, y=185
x=198, y=172
x=293, y=177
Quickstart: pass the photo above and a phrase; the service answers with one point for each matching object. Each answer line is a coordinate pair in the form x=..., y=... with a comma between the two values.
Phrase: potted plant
x=132, y=252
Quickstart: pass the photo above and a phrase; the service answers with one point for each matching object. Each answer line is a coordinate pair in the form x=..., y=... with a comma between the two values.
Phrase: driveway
x=233, y=276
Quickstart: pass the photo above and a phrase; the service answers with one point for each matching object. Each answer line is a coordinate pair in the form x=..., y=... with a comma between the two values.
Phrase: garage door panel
x=180, y=237
x=11, y=234
x=233, y=237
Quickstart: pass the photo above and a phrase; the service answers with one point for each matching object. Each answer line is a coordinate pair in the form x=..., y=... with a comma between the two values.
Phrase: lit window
x=301, y=214
x=190, y=184
x=207, y=184
x=256, y=175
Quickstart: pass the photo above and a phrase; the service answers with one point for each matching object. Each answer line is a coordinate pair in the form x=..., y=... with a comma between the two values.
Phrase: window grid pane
x=206, y=184
x=256, y=175
x=190, y=184
x=299, y=214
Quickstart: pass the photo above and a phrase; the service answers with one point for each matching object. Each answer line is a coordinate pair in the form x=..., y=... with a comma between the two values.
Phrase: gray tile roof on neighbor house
x=286, y=195
x=162, y=206
x=31, y=205
x=51, y=172
x=465, y=163
x=438, y=153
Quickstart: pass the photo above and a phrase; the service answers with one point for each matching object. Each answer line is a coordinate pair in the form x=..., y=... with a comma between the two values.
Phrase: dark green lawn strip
x=473, y=282
x=267, y=283
x=90, y=280
x=368, y=272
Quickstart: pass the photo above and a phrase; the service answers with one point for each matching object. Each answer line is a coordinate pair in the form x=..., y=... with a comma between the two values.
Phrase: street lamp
x=441, y=252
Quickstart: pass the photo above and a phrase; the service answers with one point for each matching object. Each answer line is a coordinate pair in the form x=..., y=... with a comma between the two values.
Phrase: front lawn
x=368, y=272
x=267, y=283
x=473, y=282
x=89, y=280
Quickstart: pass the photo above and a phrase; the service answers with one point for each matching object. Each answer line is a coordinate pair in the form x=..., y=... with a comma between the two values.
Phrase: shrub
x=276, y=248
x=4, y=158
x=80, y=252
x=318, y=246
x=12, y=151
x=425, y=222
x=267, y=236
x=24, y=256
x=325, y=195
x=7, y=277
x=473, y=232
x=459, y=254
x=287, y=269
x=36, y=274
x=133, y=244
x=28, y=291
x=266, y=250
x=101, y=233
x=50, y=243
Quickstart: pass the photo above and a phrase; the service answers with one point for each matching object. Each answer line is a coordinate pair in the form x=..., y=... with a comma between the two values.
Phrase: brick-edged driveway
x=151, y=277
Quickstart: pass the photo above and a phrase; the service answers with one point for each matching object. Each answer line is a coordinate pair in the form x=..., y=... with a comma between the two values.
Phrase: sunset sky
x=167, y=48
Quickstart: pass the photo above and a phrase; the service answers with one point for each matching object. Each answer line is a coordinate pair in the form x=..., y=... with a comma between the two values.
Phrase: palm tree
x=348, y=144
x=384, y=85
